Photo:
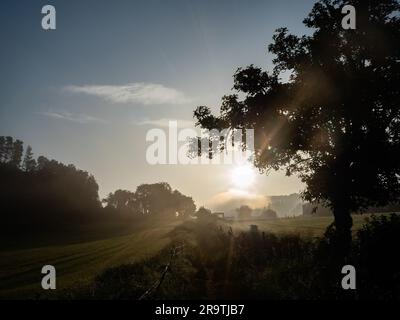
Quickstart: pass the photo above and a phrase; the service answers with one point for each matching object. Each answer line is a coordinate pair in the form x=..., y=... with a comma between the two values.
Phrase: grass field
x=20, y=269
x=306, y=226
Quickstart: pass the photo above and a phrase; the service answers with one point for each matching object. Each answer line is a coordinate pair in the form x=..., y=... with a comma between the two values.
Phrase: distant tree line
x=40, y=195
x=151, y=199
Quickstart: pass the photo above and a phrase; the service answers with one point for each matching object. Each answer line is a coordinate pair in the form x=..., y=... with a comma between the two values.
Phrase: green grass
x=20, y=270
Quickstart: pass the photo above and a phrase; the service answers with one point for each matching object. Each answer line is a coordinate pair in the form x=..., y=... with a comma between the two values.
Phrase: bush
x=377, y=247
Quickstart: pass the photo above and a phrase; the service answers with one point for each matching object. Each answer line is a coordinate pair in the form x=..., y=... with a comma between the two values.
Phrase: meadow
x=79, y=263
x=306, y=226
x=20, y=270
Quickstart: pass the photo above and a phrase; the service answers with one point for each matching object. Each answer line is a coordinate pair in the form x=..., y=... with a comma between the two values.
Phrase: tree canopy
x=42, y=195
x=152, y=199
x=336, y=121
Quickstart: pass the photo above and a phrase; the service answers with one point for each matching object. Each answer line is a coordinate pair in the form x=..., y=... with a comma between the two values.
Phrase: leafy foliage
x=336, y=122
x=46, y=196
x=152, y=199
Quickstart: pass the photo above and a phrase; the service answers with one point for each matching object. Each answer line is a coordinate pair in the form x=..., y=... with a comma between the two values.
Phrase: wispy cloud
x=143, y=93
x=74, y=117
x=164, y=122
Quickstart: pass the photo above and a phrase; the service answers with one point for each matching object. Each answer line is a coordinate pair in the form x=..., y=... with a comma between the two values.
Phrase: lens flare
x=243, y=176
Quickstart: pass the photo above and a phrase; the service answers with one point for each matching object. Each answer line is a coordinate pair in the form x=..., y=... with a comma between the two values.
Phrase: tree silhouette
x=44, y=195
x=154, y=198
x=120, y=200
x=336, y=121
x=184, y=205
x=203, y=213
x=151, y=199
x=7, y=149
x=11, y=151
x=268, y=213
x=29, y=163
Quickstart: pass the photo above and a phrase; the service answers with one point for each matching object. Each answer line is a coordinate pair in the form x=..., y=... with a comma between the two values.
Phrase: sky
x=88, y=92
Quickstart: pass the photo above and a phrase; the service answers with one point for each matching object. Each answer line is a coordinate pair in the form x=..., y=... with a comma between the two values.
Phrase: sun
x=243, y=177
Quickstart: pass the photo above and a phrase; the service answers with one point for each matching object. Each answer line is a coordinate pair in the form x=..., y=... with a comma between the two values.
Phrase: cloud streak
x=142, y=93
x=73, y=117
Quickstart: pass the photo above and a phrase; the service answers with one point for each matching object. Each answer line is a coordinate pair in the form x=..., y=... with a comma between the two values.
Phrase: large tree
x=336, y=121
x=29, y=163
x=121, y=200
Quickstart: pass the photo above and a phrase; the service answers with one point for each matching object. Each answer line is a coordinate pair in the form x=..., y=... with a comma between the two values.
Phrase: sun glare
x=243, y=176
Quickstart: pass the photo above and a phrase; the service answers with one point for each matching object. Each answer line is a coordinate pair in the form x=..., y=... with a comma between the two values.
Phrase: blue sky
x=87, y=92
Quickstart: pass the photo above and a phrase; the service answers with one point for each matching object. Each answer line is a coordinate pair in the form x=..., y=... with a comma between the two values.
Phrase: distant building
x=289, y=205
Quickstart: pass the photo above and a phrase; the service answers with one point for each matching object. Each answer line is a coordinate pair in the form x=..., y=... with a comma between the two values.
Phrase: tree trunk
x=342, y=238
